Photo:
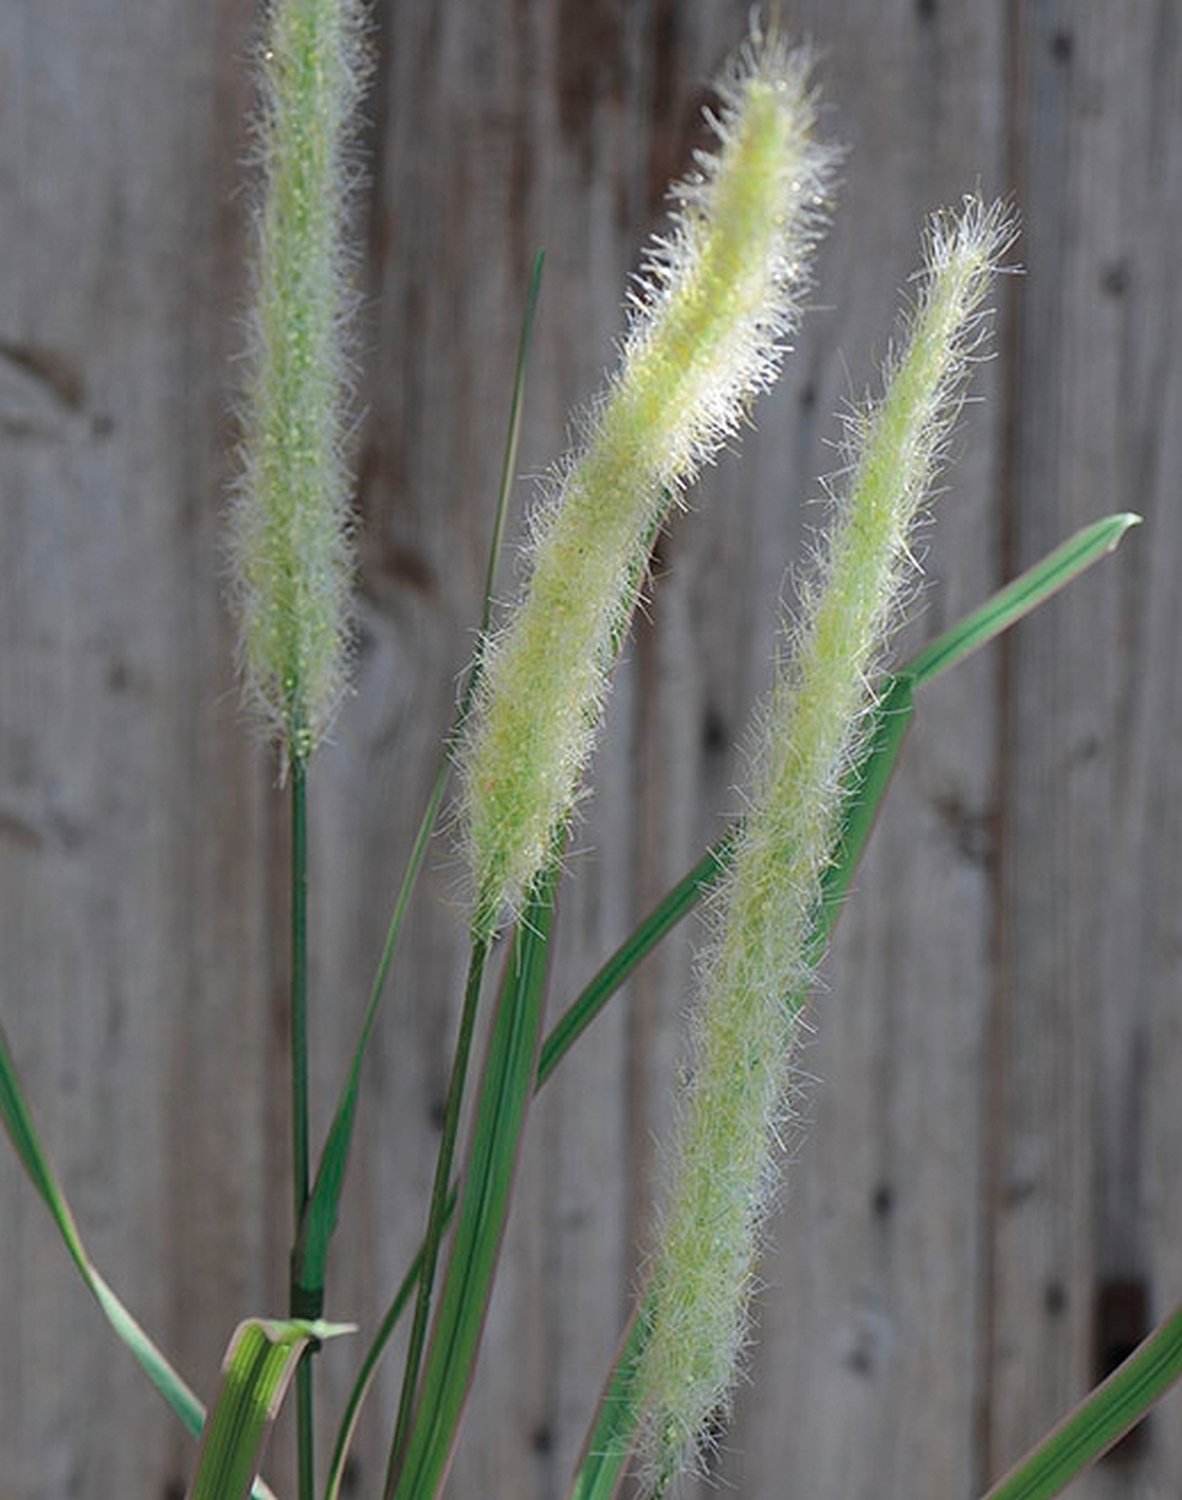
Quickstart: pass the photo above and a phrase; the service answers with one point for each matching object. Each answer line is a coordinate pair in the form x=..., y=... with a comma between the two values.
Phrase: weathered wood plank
x=133, y=916
x=995, y=1132
x=1085, y=1191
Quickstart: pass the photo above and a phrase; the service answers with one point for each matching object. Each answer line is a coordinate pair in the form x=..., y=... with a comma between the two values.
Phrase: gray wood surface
x=987, y=1201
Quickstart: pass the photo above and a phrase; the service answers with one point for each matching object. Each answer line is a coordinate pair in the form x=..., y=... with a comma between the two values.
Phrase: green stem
x=437, y=1216
x=299, y=1099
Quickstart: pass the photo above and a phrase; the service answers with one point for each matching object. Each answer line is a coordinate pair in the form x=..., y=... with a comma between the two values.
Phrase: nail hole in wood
x=715, y=738
x=1062, y=46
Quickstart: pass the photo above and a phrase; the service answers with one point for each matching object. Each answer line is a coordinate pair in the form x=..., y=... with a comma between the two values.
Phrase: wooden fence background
x=988, y=1203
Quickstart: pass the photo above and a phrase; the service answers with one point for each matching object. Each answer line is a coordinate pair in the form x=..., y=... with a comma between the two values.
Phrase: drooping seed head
x=709, y=316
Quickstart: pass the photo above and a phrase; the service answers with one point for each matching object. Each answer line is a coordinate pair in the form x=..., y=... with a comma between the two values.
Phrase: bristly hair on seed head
x=290, y=548
x=758, y=971
x=709, y=316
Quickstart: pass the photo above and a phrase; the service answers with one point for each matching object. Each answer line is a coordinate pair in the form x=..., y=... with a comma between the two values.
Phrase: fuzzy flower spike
x=721, y=1168
x=716, y=300
x=290, y=551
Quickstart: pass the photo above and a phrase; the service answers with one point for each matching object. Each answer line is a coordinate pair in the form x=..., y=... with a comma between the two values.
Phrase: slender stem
x=437, y=1217
x=509, y=461
x=299, y=1096
x=305, y=1416
x=299, y=986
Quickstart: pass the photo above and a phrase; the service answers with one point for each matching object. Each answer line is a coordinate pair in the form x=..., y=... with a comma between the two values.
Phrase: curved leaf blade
x=602, y=1464
x=258, y=1367
x=22, y=1131
x=369, y=1368
x=678, y=903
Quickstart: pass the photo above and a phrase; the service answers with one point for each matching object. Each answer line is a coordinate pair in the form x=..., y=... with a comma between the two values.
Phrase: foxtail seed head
x=291, y=556
x=714, y=304
x=722, y=1166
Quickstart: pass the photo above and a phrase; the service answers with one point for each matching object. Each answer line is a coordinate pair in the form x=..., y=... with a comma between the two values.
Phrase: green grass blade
x=891, y=719
x=615, y=1423
x=437, y=1214
x=862, y=799
x=684, y=896
x=1101, y=1419
x=258, y=1367
x=484, y=1203
x=19, y=1123
x=369, y=1366
x=1027, y=592
x=605, y=1453
x=320, y=1217
x=891, y=723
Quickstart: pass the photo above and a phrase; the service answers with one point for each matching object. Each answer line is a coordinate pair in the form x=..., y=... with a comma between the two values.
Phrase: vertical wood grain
x=1088, y=983
x=993, y=1123
x=135, y=984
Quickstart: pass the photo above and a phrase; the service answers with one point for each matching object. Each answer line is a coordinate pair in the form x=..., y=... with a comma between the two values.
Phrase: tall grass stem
x=437, y=1214
x=305, y=1413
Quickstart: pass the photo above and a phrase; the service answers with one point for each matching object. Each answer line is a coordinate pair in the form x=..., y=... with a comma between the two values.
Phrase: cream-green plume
x=715, y=302
x=291, y=555
x=755, y=979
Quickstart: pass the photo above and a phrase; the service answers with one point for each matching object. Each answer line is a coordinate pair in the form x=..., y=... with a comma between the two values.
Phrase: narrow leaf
x=1027, y=592
x=22, y=1130
x=258, y=1367
x=1101, y=1419
x=601, y=1465
x=512, y=436
x=336, y=1472
x=1001, y=611
x=437, y=1213
x=484, y=1202
x=890, y=721
x=682, y=899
